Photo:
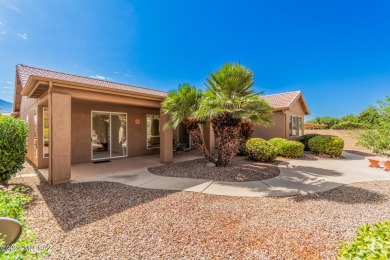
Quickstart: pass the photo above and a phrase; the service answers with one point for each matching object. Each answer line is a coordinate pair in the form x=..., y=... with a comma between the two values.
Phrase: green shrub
x=350, y=126
x=12, y=203
x=370, y=243
x=13, y=134
x=327, y=144
x=305, y=140
x=260, y=150
x=287, y=148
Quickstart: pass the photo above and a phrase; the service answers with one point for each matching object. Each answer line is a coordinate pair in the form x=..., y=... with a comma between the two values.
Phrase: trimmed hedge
x=372, y=242
x=260, y=150
x=350, y=126
x=327, y=144
x=287, y=148
x=305, y=140
x=13, y=148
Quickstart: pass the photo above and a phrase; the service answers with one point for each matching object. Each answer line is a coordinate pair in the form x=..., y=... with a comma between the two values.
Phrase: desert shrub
x=287, y=148
x=13, y=134
x=351, y=126
x=260, y=150
x=327, y=144
x=305, y=140
x=378, y=139
x=370, y=243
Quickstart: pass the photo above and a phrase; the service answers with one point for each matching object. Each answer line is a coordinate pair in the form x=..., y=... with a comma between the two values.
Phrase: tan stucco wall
x=297, y=110
x=275, y=129
x=81, y=128
x=280, y=126
x=27, y=109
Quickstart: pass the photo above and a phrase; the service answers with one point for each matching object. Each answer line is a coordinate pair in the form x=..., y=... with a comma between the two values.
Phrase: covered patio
x=88, y=170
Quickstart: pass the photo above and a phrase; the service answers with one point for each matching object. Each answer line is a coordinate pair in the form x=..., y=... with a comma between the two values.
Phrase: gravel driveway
x=111, y=220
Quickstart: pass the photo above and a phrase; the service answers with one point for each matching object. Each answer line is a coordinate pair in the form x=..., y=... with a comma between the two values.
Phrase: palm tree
x=180, y=106
x=229, y=101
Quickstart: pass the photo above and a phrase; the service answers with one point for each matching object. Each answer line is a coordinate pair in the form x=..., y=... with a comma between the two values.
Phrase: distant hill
x=5, y=107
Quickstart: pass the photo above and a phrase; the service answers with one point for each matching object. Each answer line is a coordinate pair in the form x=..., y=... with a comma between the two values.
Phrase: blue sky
x=336, y=52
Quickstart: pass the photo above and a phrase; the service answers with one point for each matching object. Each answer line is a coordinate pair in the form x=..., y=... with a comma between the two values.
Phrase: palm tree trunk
x=195, y=132
x=227, y=136
x=246, y=131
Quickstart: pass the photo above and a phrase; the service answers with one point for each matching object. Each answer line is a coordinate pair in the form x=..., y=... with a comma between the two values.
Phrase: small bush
x=370, y=243
x=13, y=148
x=327, y=144
x=260, y=150
x=12, y=204
x=305, y=140
x=350, y=126
x=287, y=148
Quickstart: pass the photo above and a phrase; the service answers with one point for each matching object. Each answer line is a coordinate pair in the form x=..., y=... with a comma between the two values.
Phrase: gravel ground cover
x=240, y=169
x=103, y=220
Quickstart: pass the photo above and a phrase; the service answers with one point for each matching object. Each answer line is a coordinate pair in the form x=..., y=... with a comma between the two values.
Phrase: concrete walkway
x=296, y=177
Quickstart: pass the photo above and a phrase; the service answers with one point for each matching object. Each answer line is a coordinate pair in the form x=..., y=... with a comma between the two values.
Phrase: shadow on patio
x=347, y=194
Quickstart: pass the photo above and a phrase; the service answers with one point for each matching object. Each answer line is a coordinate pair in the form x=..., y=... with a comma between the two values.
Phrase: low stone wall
x=349, y=137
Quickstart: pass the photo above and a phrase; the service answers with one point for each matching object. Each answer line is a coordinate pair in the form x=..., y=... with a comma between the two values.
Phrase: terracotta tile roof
x=282, y=100
x=25, y=72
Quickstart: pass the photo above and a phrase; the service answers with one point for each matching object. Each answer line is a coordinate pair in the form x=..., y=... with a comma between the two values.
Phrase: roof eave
x=33, y=81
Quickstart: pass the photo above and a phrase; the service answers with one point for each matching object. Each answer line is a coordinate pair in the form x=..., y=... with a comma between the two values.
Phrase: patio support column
x=60, y=138
x=208, y=136
x=166, y=141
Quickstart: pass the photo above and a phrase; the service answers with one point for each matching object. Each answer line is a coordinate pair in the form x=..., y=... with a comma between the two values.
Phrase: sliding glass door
x=108, y=135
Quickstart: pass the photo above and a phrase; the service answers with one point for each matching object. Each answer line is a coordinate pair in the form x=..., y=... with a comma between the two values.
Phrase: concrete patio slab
x=243, y=189
x=185, y=184
x=296, y=177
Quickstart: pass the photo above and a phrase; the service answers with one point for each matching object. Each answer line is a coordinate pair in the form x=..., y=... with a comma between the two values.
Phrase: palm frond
x=181, y=104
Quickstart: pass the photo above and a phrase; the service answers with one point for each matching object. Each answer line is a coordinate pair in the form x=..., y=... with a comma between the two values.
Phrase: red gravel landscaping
x=110, y=220
x=240, y=169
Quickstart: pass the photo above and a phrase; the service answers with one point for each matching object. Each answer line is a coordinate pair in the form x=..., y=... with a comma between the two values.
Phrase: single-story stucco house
x=75, y=119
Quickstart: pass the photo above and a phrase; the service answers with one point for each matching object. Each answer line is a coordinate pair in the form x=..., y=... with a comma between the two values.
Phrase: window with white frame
x=153, y=131
x=35, y=133
x=295, y=125
x=46, y=136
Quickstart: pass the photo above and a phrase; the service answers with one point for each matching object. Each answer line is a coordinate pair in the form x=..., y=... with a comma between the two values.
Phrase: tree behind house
x=378, y=139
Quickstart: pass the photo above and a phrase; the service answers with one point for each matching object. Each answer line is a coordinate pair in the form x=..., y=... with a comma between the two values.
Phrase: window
x=295, y=125
x=153, y=131
x=46, y=132
x=108, y=135
x=35, y=133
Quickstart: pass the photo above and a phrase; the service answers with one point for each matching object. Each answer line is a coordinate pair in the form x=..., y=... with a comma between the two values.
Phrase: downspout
x=285, y=123
x=49, y=101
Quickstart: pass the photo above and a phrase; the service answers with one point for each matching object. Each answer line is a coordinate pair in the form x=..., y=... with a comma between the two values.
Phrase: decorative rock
x=210, y=164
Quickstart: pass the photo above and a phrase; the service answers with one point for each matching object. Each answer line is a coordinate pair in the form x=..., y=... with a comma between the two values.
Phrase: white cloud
x=10, y=5
x=98, y=77
x=23, y=36
x=9, y=82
